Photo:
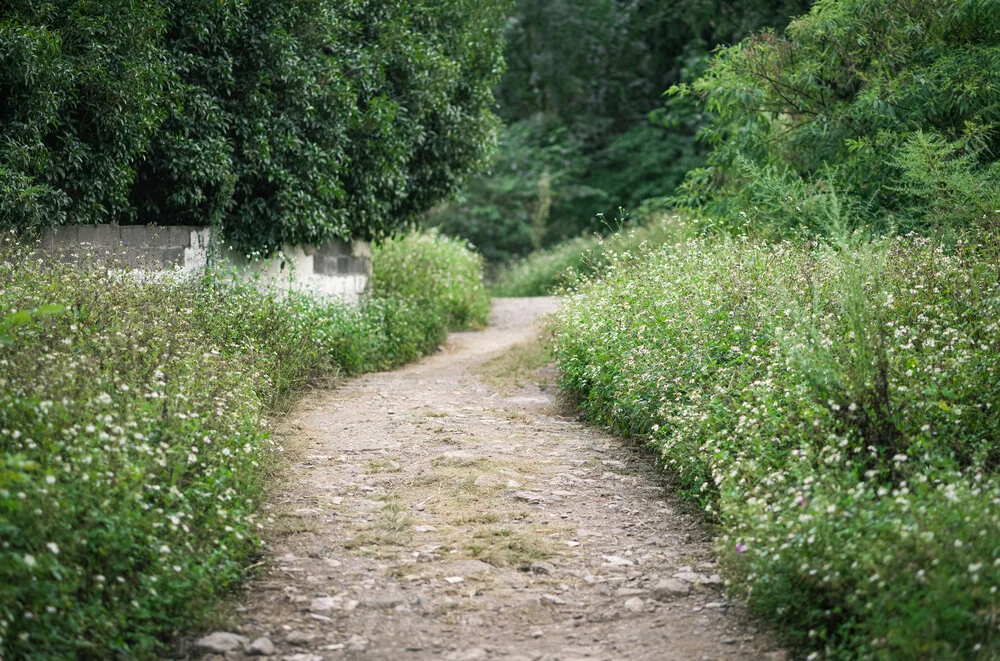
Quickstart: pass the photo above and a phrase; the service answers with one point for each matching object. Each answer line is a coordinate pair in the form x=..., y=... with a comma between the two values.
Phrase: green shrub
x=544, y=272
x=132, y=442
x=833, y=407
x=280, y=121
x=433, y=269
x=829, y=105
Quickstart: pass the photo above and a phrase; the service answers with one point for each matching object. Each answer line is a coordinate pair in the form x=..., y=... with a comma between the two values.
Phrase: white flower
x=52, y=546
x=29, y=560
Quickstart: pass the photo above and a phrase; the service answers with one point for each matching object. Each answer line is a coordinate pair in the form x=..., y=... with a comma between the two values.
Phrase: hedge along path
x=443, y=512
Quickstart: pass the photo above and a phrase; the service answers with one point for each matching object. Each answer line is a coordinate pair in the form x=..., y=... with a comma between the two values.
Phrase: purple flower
x=740, y=549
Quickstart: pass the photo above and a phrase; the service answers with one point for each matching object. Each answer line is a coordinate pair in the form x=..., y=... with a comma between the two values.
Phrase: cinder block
x=343, y=265
x=360, y=248
x=109, y=235
x=173, y=257
x=334, y=248
x=65, y=236
x=361, y=266
x=179, y=235
x=159, y=237
x=134, y=235
x=47, y=242
x=88, y=234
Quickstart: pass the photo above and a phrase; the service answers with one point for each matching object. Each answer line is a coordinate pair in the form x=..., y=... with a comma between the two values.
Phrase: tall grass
x=132, y=440
x=833, y=407
x=545, y=271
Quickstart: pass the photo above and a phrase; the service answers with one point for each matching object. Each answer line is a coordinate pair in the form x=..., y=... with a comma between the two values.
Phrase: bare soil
x=456, y=510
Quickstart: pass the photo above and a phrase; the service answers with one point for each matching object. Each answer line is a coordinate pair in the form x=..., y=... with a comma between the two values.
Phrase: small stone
x=467, y=567
x=616, y=561
x=298, y=638
x=635, y=604
x=529, y=497
x=323, y=604
x=336, y=500
x=670, y=588
x=454, y=579
x=220, y=642
x=302, y=657
x=424, y=528
x=553, y=599
x=537, y=633
x=261, y=647
x=542, y=567
x=629, y=592
x=716, y=604
x=356, y=644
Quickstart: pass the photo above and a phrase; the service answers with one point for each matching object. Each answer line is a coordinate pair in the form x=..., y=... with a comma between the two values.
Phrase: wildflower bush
x=544, y=271
x=833, y=407
x=433, y=269
x=133, y=444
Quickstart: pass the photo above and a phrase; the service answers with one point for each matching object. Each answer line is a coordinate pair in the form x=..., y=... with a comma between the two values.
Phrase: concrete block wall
x=336, y=269
x=139, y=246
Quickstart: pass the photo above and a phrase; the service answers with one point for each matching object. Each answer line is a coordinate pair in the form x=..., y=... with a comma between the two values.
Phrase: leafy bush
x=546, y=271
x=132, y=442
x=281, y=121
x=587, y=129
x=433, y=270
x=830, y=105
x=834, y=408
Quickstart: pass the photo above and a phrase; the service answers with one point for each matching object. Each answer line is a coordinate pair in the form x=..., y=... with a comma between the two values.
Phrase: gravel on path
x=425, y=514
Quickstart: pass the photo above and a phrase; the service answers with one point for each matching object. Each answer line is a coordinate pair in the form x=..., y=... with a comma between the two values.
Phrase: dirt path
x=430, y=515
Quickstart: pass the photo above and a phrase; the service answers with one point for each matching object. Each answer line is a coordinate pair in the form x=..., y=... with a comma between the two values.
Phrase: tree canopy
x=282, y=121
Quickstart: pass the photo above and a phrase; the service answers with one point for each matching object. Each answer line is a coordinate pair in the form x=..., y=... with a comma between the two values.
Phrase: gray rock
x=220, y=642
x=302, y=657
x=635, y=604
x=630, y=592
x=298, y=638
x=553, y=599
x=261, y=647
x=382, y=599
x=356, y=644
x=542, y=567
x=324, y=604
x=670, y=588
x=466, y=568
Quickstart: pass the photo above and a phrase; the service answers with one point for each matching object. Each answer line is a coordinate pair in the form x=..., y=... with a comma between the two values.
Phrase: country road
x=443, y=512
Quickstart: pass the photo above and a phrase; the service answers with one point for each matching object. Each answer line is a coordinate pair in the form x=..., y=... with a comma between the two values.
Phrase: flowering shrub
x=833, y=407
x=428, y=266
x=133, y=443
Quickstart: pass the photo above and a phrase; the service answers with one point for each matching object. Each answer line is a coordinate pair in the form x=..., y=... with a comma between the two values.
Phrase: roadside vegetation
x=817, y=364
x=133, y=430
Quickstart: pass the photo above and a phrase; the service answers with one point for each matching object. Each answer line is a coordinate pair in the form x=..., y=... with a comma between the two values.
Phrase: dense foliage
x=545, y=272
x=588, y=131
x=132, y=436
x=833, y=407
x=885, y=106
x=282, y=122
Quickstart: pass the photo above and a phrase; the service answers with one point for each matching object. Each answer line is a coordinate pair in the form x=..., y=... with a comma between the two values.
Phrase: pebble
x=356, y=644
x=454, y=579
x=324, y=604
x=220, y=642
x=424, y=528
x=302, y=657
x=629, y=592
x=635, y=604
x=261, y=647
x=542, y=567
x=670, y=588
x=298, y=638
x=553, y=599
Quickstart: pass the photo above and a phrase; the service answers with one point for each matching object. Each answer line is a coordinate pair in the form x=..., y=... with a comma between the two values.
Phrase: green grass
x=546, y=271
x=834, y=409
x=133, y=450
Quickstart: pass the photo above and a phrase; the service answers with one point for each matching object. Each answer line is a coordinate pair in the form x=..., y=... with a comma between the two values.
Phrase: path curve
x=427, y=516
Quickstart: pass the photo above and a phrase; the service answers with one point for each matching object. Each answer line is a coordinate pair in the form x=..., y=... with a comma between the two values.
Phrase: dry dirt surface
x=445, y=511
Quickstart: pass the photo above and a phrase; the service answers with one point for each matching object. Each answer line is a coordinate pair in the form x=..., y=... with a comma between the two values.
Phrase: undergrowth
x=544, y=271
x=833, y=405
x=132, y=432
